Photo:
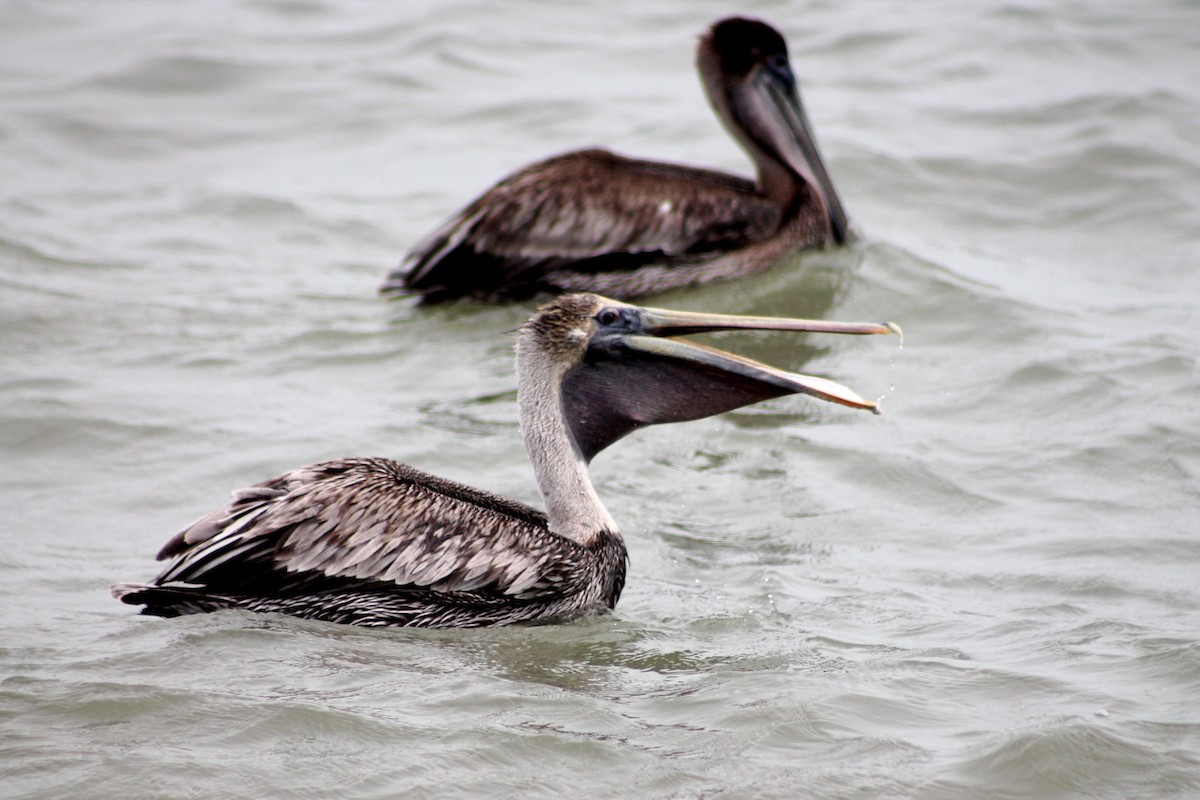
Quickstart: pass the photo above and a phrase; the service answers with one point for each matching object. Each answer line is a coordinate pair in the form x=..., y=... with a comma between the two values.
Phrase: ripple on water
x=1074, y=756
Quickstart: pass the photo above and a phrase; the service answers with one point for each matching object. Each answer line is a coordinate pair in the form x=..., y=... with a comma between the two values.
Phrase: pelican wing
x=375, y=521
x=590, y=211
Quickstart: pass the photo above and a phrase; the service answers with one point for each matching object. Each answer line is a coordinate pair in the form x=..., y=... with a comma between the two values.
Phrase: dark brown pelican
x=595, y=221
x=369, y=541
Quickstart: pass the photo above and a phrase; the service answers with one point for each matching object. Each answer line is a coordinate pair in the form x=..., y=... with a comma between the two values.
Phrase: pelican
x=595, y=221
x=369, y=541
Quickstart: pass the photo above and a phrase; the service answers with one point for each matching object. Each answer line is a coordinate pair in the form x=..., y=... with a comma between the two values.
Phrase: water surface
x=991, y=590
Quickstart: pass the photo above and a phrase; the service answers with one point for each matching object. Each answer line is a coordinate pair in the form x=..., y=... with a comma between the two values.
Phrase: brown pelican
x=369, y=541
x=595, y=221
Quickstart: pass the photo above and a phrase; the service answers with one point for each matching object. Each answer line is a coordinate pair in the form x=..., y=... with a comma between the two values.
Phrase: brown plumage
x=595, y=221
x=338, y=540
x=369, y=541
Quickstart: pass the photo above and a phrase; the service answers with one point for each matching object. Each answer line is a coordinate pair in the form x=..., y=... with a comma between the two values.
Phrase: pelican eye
x=608, y=316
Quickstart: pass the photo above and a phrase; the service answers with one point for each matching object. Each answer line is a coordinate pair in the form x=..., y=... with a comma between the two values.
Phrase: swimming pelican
x=595, y=221
x=369, y=541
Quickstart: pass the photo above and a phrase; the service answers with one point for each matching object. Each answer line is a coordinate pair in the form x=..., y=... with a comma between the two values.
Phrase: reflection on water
x=988, y=590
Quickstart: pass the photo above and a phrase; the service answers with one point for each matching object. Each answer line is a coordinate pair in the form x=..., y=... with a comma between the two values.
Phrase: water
x=992, y=590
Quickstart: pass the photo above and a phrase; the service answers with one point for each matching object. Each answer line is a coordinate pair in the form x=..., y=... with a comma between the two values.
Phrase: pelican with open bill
x=595, y=221
x=369, y=541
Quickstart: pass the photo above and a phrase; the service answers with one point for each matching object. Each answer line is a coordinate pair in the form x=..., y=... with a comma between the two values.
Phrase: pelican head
x=619, y=367
x=744, y=66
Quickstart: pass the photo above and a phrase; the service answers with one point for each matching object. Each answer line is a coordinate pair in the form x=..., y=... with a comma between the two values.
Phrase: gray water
x=992, y=590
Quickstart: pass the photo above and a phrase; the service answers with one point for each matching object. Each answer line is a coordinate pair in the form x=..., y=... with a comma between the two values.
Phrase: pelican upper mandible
x=595, y=221
x=370, y=541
